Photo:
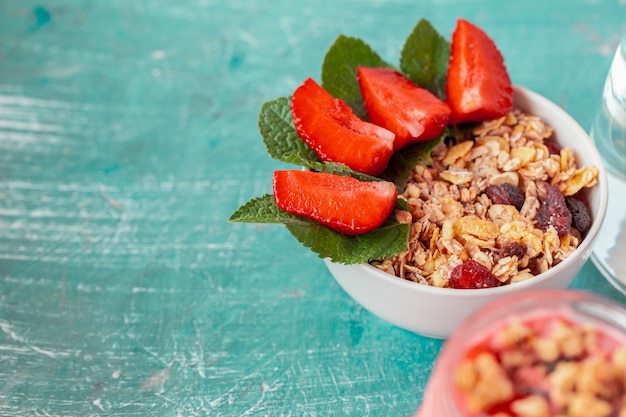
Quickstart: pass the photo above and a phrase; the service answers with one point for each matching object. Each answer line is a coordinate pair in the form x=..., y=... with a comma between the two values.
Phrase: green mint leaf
x=339, y=169
x=462, y=132
x=279, y=135
x=424, y=58
x=339, y=70
x=388, y=240
x=262, y=210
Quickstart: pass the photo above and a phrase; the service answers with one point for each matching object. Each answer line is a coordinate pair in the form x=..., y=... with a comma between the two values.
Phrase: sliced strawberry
x=344, y=204
x=394, y=102
x=330, y=128
x=478, y=86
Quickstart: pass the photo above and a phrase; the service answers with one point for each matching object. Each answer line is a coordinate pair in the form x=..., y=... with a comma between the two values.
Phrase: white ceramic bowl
x=436, y=312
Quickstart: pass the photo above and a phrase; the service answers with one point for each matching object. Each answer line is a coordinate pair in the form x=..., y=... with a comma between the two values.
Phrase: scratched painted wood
x=128, y=136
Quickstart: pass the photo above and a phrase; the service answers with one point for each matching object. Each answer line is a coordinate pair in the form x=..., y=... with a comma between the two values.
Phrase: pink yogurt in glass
x=519, y=323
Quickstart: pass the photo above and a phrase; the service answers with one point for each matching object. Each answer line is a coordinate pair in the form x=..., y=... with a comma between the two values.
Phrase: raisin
x=471, y=274
x=533, y=266
x=581, y=217
x=554, y=212
x=553, y=147
x=506, y=194
x=513, y=249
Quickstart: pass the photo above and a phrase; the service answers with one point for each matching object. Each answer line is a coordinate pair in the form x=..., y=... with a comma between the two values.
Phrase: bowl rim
x=531, y=96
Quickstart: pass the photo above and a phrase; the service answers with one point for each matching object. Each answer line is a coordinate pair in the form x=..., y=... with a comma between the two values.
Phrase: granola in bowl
x=436, y=311
x=501, y=198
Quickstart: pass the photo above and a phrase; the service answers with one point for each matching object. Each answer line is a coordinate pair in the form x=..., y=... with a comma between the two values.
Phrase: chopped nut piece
x=476, y=227
x=457, y=152
x=586, y=405
x=491, y=385
x=457, y=176
x=532, y=406
x=403, y=217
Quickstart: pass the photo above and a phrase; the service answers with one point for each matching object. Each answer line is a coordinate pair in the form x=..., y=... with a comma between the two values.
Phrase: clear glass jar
x=608, y=132
x=442, y=399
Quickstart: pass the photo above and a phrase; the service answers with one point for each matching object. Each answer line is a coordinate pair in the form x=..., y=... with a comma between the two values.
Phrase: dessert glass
x=443, y=399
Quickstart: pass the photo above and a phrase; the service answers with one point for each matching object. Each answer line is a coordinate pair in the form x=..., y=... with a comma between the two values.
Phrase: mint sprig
x=389, y=239
x=339, y=70
x=424, y=58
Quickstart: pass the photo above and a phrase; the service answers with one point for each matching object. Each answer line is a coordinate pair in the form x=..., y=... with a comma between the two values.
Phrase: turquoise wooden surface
x=128, y=136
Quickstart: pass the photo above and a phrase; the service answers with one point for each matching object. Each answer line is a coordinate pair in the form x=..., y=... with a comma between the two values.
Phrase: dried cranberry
x=553, y=211
x=513, y=249
x=581, y=217
x=471, y=274
x=506, y=194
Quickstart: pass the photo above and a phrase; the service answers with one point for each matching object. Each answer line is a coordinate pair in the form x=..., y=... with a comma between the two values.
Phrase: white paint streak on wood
x=7, y=329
